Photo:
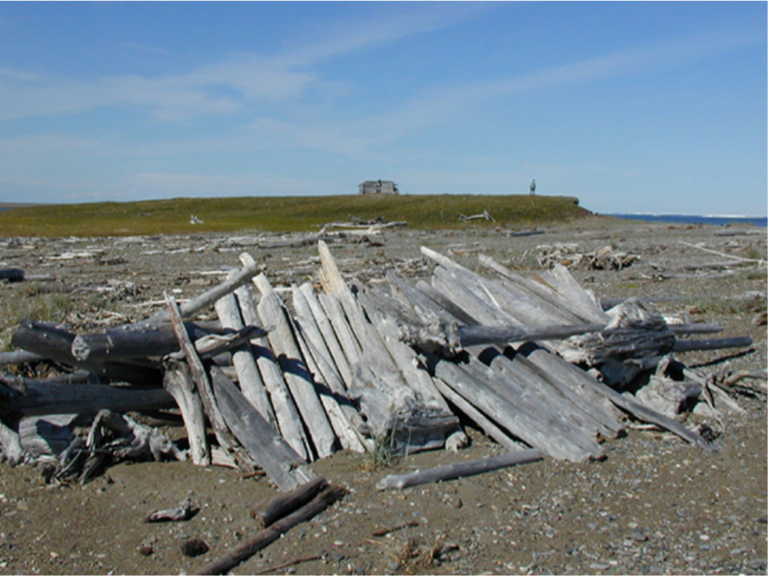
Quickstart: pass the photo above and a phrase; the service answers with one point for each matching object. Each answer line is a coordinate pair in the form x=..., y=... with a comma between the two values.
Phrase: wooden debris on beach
x=533, y=361
x=569, y=255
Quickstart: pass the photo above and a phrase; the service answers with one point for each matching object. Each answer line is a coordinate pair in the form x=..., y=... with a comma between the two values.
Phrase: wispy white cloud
x=225, y=87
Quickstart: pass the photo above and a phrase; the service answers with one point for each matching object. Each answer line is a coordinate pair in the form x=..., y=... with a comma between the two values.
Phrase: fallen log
x=268, y=511
x=54, y=343
x=712, y=344
x=33, y=397
x=458, y=470
x=129, y=342
x=264, y=538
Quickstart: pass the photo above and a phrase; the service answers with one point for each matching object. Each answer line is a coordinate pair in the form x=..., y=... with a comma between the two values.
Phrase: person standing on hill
x=533, y=187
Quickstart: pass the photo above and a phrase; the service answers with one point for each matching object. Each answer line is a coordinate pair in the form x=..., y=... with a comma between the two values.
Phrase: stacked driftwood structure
x=535, y=362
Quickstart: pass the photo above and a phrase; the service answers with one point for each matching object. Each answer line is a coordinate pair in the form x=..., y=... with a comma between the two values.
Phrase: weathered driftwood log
x=281, y=463
x=201, y=380
x=177, y=380
x=450, y=339
x=129, y=342
x=713, y=344
x=459, y=469
x=521, y=423
x=55, y=343
x=300, y=382
x=248, y=374
x=244, y=551
x=545, y=359
x=206, y=299
x=268, y=511
x=18, y=357
x=286, y=413
x=30, y=397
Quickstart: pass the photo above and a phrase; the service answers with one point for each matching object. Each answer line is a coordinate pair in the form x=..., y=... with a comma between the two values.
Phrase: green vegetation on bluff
x=283, y=214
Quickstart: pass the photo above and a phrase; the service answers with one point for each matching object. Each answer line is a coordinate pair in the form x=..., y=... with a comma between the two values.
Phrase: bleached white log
x=310, y=313
x=299, y=380
x=249, y=378
x=286, y=413
x=177, y=380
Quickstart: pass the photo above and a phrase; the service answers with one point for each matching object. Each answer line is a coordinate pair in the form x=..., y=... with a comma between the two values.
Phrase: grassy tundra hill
x=284, y=214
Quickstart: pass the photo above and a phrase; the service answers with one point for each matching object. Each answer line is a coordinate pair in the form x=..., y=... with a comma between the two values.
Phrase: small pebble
x=638, y=536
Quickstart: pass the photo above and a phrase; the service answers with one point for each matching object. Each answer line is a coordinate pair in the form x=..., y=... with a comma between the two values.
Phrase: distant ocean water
x=696, y=219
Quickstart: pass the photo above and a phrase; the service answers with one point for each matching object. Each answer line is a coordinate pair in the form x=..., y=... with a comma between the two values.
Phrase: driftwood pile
x=395, y=367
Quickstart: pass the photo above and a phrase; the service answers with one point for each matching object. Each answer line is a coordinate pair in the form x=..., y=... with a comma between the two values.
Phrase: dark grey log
x=451, y=339
x=12, y=274
x=268, y=511
x=713, y=344
x=33, y=397
x=18, y=357
x=459, y=470
x=281, y=463
x=128, y=342
x=244, y=551
x=55, y=343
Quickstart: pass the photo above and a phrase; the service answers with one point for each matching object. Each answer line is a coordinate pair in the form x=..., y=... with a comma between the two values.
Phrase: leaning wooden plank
x=458, y=470
x=177, y=380
x=200, y=378
x=476, y=416
x=286, y=413
x=299, y=380
x=547, y=298
x=587, y=418
x=528, y=427
x=281, y=463
x=318, y=329
x=529, y=395
x=248, y=374
x=244, y=551
x=332, y=394
x=467, y=296
x=206, y=299
x=563, y=282
x=338, y=287
x=602, y=418
x=338, y=320
x=625, y=403
x=34, y=397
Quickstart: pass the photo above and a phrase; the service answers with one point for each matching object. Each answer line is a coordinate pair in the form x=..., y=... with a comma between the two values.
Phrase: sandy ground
x=654, y=505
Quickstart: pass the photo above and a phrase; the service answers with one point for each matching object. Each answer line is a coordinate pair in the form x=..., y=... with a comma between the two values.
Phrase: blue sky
x=632, y=107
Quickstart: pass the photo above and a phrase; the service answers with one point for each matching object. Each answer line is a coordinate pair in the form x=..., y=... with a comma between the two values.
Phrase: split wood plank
x=281, y=463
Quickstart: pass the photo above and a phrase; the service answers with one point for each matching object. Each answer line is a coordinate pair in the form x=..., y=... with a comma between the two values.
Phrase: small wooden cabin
x=386, y=187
